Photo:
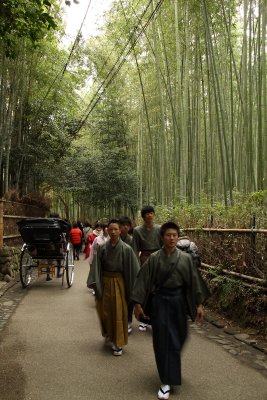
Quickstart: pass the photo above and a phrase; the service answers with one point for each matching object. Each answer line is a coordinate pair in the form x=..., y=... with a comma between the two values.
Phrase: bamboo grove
x=174, y=109
x=196, y=84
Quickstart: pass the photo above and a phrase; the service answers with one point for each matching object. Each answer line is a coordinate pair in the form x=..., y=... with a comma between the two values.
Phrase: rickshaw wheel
x=25, y=267
x=69, y=267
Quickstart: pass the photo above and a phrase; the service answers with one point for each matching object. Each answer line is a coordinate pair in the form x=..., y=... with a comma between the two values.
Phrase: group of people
x=126, y=270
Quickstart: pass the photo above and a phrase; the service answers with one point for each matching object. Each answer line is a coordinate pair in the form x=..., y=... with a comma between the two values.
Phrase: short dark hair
x=98, y=224
x=114, y=221
x=147, y=209
x=125, y=221
x=169, y=225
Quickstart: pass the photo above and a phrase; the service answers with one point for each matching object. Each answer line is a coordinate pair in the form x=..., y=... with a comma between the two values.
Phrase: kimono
x=90, y=240
x=114, y=271
x=178, y=297
x=98, y=241
x=146, y=241
x=127, y=239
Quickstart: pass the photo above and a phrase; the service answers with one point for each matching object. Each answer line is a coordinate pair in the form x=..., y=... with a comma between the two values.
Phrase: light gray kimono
x=120, y=258
x=146, y=240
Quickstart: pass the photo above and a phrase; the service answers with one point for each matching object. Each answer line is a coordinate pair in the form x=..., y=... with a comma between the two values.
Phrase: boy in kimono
x=114, y=270
x=179, y=291
x=146, y=240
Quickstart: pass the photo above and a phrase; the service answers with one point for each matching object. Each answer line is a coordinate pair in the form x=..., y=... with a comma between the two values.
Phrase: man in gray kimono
x=126, y=227
x=114, y=270
x=179, y=291
x=146, y=240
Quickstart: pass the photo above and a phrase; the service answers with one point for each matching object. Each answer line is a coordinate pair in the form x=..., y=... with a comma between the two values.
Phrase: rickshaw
x=45, y=248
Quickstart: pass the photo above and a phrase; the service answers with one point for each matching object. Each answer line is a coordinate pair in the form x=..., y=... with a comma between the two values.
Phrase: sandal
x=164, y=392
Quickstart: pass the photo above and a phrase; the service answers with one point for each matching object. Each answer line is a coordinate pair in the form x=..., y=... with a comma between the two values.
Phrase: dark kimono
x=128, y=239
x=179, y=296
x=113, y=273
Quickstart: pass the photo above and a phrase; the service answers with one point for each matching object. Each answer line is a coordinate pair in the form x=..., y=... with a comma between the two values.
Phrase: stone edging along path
x=10, y=297
x=244, y=345
x=248, y=336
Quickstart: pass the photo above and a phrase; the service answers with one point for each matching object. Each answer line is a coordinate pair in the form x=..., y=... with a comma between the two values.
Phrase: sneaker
x=142, y=327
x=130, y=327
x=117, y=351
x=164, y=392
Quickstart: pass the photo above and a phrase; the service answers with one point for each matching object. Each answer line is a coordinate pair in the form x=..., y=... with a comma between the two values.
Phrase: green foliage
x=239, y=215
x=228, y=289
x=98, y=168
x=232, y=298
x=46, y=107
x=27, y=19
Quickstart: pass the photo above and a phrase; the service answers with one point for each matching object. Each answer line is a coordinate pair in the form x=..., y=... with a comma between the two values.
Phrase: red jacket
x=75, y=236
x=89, y=241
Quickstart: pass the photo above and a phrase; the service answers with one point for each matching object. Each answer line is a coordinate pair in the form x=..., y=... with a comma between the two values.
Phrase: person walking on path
x=86, y=230
x=146, y=240
x=178, y=291
x=91, y=237
x=115, y=268
x=125, y=227
x=76, y=240
x=98, y=241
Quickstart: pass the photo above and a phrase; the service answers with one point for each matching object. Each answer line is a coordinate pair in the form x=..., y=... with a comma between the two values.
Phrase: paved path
x=51, y=348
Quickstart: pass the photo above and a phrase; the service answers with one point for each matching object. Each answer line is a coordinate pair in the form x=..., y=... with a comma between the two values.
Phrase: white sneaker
x=130, y=327
x=117, y=351
x=164, y=392
x=142, y=327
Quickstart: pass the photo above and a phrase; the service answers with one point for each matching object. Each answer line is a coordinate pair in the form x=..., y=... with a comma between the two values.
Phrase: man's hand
x=200, y=313
x=138, y=312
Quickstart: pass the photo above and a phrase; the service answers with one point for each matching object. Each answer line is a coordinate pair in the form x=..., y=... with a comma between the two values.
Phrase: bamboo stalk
x=264, y=289
x=11, y=236
x=16, y=216
x=237, y=274
x=1, y=224
x=230, y=230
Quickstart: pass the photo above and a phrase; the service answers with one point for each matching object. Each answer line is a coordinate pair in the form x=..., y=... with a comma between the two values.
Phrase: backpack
x=190, y=247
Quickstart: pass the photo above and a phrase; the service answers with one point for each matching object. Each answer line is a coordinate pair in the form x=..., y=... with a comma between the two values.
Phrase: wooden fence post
x=253, y=238
x=1, y=224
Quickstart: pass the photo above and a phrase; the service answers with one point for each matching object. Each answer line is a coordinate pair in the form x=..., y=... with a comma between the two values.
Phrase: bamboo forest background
x=166, y=105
